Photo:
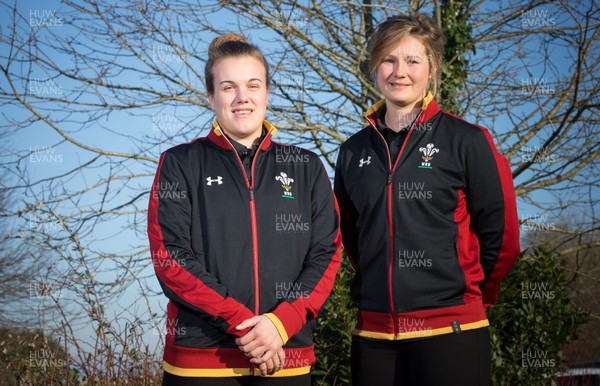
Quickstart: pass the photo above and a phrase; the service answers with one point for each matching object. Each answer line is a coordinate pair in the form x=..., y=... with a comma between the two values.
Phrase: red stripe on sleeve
x=510, y=249
x=186, y=286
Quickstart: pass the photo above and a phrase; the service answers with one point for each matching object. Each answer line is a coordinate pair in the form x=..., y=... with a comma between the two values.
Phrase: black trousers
x=461, y=359
x=174, y=380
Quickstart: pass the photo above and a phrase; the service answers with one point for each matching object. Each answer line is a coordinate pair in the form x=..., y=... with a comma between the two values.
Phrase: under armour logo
x=218, y=180
x=364, y=162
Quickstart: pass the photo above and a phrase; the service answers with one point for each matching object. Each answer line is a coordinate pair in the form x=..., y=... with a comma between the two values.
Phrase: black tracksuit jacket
x=226, y=247
x=431, y=236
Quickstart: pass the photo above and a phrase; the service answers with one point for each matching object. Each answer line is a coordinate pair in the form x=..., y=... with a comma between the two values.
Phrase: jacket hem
x=231, y=372
x=423, y=323
x=228, y=362
x=424, y=333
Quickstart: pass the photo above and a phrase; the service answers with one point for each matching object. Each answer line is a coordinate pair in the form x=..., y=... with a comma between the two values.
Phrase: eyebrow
x=232, y=82
x=407, y=55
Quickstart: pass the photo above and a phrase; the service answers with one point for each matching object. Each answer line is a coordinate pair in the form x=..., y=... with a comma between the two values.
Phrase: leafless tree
x=22, y=272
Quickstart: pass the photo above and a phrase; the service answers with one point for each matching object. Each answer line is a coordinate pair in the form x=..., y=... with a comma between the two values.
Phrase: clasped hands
x=262, y=344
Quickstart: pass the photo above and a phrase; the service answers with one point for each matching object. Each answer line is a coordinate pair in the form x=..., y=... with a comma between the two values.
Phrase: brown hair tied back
x=230, y=46
x=213, y=49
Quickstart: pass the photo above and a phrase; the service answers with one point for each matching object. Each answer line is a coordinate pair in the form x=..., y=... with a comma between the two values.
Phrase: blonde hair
x=389, y=33
x=230, y=46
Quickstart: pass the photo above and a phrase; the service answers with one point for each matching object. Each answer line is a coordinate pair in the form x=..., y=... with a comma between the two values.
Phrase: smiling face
x=403, y=74
x=240, y=97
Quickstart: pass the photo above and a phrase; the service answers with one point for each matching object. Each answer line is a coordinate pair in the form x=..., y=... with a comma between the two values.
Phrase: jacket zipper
x=254, y=237
x=390, y=219
x=250, y=187
x=390, y=177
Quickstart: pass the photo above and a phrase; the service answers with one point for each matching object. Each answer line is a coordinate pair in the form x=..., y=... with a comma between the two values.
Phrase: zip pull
x=251, y=194
x=389, y=177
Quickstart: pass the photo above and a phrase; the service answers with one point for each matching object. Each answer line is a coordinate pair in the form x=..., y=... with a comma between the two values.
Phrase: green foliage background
x=529, y=327
x=31, y=358
x=454, y=18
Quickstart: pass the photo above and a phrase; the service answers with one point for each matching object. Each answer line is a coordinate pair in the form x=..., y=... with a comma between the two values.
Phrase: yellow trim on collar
x=375, y=107
x=270, y=128
x=219, y=131
x=426, y=101
x=217, y=128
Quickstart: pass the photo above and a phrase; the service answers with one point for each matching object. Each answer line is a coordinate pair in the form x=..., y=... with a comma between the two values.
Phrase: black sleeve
x=348, y=213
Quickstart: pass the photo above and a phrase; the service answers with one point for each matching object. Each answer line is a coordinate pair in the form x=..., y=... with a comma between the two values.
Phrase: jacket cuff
x=289, y=318
x=239, y=318
x=282, y=332
x=489, y=296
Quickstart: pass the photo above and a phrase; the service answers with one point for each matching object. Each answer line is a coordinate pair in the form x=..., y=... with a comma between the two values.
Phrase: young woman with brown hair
x=245, y=245
x=429, y=221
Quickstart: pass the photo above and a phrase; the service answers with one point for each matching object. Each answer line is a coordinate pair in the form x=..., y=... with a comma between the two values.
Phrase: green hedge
x=532, y=322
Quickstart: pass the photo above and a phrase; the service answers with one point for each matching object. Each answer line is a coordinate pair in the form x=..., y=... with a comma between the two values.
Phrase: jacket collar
x=218, y=137
x=429, y=109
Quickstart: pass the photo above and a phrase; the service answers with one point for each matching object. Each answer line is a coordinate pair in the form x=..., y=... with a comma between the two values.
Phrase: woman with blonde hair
x=245, y=245
x=428, y=219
